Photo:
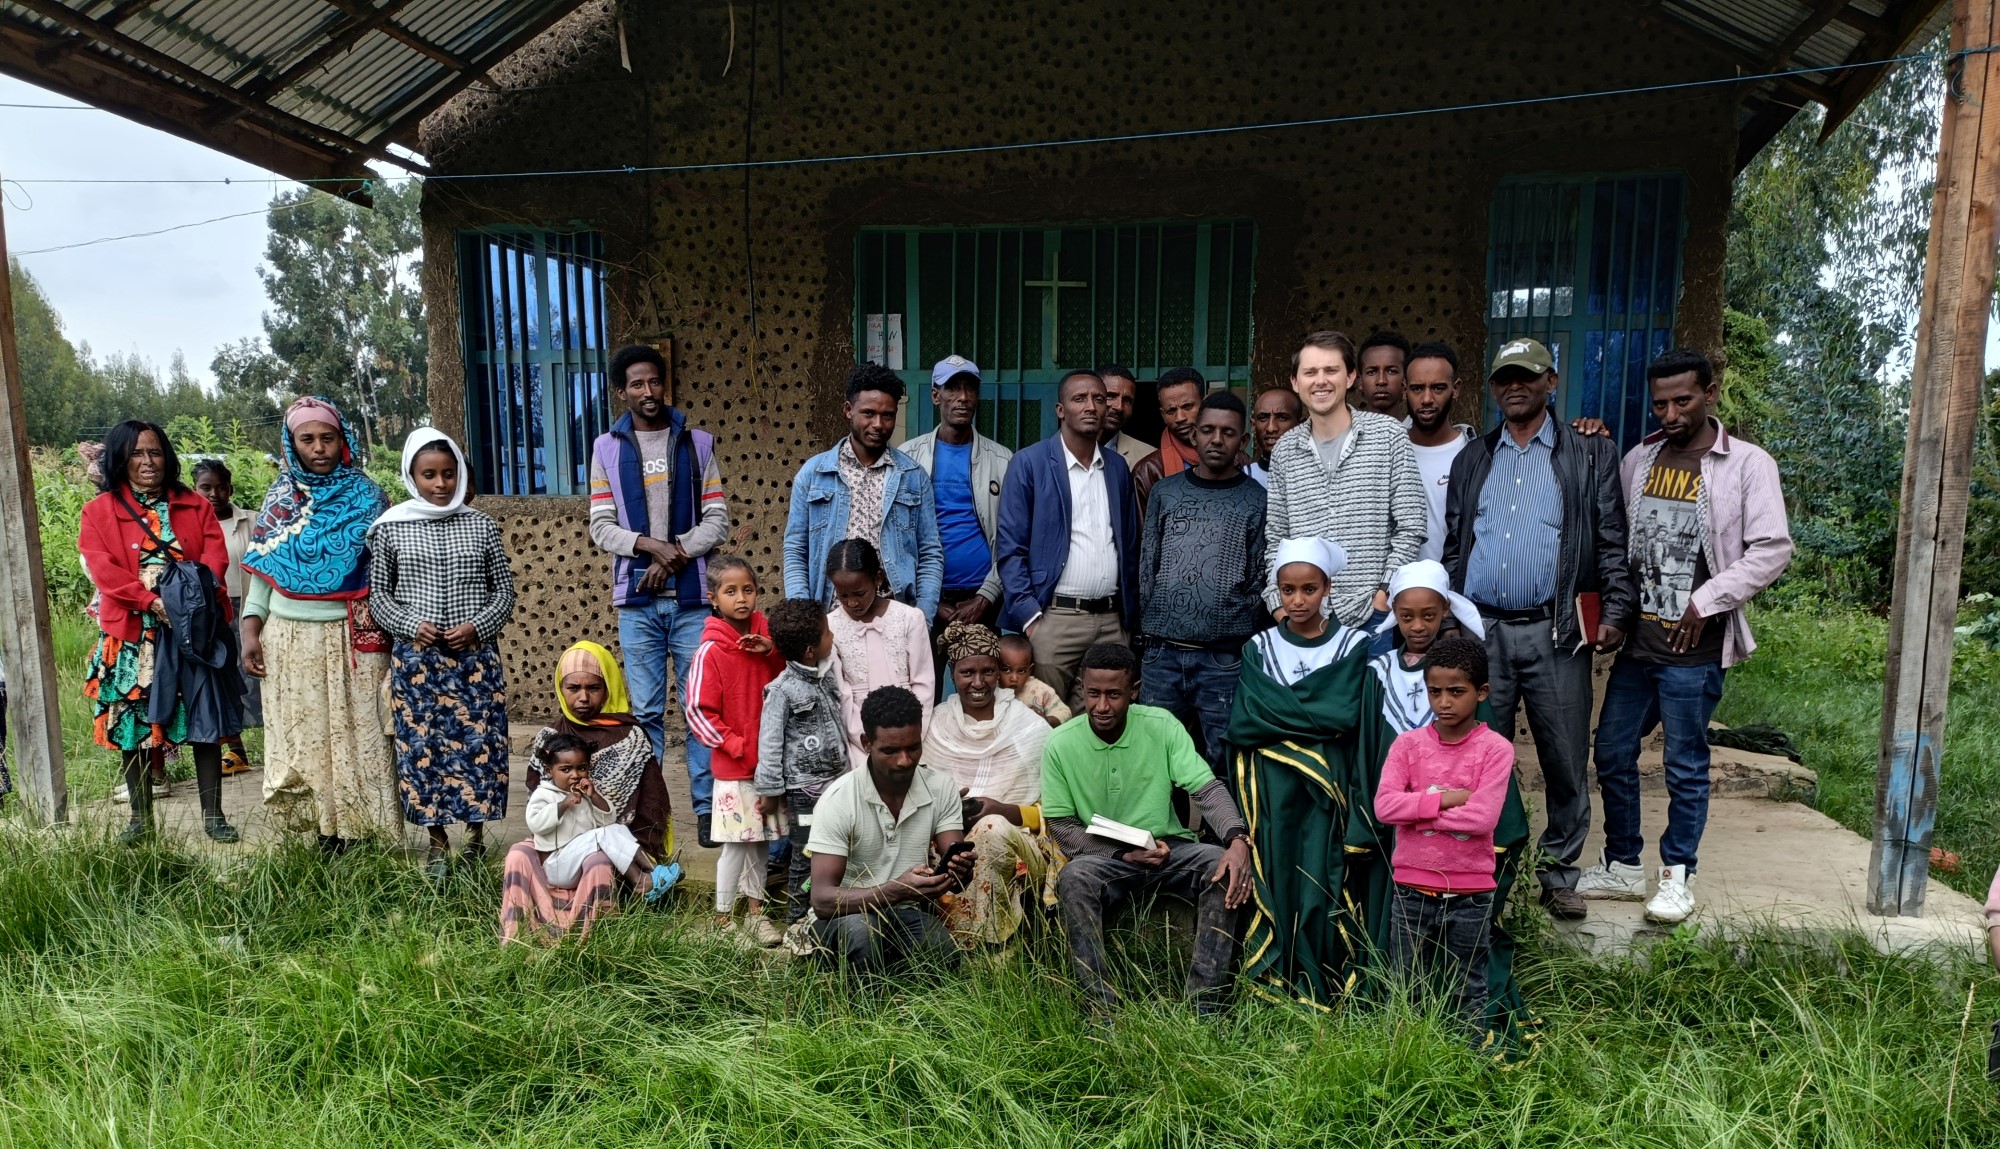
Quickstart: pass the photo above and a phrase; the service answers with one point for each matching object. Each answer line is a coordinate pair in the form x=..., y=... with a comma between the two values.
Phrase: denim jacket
x=912, y=553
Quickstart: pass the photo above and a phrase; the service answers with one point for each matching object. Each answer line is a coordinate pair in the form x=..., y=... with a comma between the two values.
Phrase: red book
x=1589, y=613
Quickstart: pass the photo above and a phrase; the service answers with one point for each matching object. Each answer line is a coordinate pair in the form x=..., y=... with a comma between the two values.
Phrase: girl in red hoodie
x=725, y=703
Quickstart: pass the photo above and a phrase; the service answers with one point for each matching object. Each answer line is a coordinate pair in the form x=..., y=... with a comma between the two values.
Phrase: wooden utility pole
x=1945, y=391
x=34, y=720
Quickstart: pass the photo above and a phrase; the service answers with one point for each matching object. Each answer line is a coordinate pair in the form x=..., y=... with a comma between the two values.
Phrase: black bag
x=195, y=661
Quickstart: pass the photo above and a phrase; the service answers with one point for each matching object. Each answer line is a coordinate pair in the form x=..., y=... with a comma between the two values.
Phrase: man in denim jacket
x=863, y=488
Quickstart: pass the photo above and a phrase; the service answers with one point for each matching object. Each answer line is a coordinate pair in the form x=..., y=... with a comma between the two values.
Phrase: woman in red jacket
x=125, y=556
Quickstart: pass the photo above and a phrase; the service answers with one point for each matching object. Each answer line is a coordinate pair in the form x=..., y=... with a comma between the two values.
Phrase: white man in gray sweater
x=1345, y=475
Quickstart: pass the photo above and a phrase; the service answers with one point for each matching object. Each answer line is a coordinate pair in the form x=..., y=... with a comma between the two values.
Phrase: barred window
x=1026, y=304
x=535, y=383
x=1591, y=267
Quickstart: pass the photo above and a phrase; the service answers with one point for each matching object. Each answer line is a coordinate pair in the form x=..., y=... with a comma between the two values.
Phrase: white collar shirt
x=1091, y=571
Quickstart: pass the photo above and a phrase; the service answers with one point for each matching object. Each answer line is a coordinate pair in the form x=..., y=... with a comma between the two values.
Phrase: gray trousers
x=1093, y=887
x=1525, y=666
x=1062, y=636
x=885, y=939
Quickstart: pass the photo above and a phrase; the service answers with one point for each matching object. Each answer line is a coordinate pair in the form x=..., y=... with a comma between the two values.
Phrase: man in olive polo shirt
x=1124, y=764
x=874, y=889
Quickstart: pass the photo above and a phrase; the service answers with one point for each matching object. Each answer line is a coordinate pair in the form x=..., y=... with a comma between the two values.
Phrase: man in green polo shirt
x=874, y=888
x=1123, y=764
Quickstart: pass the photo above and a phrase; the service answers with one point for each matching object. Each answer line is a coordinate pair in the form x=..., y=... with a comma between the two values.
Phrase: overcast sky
x=191, y=290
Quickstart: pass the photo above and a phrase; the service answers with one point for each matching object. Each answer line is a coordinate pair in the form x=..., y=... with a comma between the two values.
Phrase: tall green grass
x=148, y=998
x=1818, y=676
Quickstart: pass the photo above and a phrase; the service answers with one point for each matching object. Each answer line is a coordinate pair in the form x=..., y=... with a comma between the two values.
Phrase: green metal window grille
x=1027, y=304
x=1591, y=267
x=532, y=307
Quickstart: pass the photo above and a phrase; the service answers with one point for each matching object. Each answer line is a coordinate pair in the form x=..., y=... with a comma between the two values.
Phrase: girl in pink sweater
x=1443, y=787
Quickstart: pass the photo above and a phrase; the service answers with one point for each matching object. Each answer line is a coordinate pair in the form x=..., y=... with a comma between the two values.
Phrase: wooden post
x=1937, y=463
x=34, y=720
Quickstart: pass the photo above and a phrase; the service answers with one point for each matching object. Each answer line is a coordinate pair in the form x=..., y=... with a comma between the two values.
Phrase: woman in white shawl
x=990, y=744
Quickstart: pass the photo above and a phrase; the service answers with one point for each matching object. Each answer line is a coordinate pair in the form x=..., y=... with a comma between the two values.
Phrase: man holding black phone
x=874, y=886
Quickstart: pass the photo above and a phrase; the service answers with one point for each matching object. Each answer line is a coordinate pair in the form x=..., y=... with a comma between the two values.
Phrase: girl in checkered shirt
x=442, y=588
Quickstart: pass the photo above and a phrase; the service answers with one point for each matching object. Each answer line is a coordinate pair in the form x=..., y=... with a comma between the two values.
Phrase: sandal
x=666, y=876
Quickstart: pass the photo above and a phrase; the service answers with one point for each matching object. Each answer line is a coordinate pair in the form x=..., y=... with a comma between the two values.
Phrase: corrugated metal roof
x=311, y=88
x=307, y=87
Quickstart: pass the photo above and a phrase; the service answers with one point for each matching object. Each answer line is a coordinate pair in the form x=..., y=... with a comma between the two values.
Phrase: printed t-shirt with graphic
x=1669, y=561
x=967, y=558
x=656, y=465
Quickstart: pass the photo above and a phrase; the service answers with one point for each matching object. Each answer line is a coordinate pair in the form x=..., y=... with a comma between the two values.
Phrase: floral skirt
x=119, y=680
x=734, y=816
x=450, y=712
x=1008, y=861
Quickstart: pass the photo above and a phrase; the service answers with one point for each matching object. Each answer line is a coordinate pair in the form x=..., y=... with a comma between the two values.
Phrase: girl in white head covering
x=1422, y=606
x=419, y=506
x=1307, y=636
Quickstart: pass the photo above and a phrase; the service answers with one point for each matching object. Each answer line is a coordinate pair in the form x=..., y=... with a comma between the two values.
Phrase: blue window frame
x=532, y=306
x=1027, y=304
x=1591, y=267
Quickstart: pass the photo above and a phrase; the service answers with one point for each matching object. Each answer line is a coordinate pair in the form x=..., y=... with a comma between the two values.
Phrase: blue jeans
x=1639, y=697
x=648, y=636
x=1196, y=686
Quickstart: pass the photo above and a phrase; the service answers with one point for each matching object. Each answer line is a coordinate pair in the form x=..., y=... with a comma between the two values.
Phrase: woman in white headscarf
x=442, y=589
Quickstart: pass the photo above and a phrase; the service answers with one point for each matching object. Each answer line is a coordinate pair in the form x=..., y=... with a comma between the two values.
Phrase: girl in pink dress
x=877, y=641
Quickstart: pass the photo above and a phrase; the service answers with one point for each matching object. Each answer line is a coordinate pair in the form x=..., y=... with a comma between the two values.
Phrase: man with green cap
x=1535, y=536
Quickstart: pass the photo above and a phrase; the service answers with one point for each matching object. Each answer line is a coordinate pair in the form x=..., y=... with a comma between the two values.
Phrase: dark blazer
x=1591, y=554
x=1031, y=545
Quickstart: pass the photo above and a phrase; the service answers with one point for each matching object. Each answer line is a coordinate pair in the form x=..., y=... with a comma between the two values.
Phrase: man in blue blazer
x=1068, y=540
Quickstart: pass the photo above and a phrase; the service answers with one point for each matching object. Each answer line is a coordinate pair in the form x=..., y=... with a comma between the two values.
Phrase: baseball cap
x=951, y=367
x=1523, y=353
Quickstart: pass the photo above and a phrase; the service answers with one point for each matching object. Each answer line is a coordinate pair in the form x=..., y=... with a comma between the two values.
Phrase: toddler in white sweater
x=571, y=821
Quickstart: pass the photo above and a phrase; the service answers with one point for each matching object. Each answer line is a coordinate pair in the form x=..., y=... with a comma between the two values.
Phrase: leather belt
x=1542, y=613
x=1105, y=605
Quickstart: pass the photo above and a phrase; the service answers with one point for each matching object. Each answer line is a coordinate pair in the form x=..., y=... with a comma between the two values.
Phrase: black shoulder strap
x=172, y=549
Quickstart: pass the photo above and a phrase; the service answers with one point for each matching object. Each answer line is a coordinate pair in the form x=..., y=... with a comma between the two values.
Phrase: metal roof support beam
x=410, y=39
x=101, y=81
x=1755, y=65
x=1819, y=18
x=1851, y=87
x=111, y=19
x=341, y=38
x=201, y=81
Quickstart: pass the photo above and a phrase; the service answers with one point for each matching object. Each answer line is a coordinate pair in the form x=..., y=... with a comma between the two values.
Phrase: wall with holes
x=1372, y=223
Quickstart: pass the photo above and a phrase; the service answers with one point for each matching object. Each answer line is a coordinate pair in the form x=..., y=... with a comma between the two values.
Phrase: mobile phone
x=952, y=851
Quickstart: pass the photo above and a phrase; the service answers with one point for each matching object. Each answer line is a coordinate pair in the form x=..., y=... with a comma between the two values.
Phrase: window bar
x=1203, y=265
x=1229, y=310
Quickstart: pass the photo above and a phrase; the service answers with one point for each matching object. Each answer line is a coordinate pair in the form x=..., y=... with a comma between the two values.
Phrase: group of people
x=1273, y=664
x=365, y=631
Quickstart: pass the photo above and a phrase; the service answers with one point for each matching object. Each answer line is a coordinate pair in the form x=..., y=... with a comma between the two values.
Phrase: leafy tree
x=60, y=391
x=1826, y=255
x=347, y=315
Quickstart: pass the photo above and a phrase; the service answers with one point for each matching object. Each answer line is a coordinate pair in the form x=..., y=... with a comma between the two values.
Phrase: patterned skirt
x=451, y=733
x=119, y=681
x=328, y=766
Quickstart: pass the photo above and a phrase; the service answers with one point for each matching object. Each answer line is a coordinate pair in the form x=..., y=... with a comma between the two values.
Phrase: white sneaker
x=1674, y=900
x=765, y=932
x=1611, y=879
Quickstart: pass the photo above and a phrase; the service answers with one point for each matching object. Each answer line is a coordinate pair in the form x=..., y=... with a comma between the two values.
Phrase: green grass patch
x=1818, y=677
x=148, y=998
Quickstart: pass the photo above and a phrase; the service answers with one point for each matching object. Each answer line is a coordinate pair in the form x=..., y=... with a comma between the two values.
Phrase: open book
x=1133, y=836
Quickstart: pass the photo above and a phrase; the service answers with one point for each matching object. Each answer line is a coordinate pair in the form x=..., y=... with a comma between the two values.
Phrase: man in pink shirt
x=1443, y=788
x=1707, y=532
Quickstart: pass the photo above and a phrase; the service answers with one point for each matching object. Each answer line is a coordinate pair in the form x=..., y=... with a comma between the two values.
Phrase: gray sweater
x=801, y=744
x=1372, y=504
x=1201, y=561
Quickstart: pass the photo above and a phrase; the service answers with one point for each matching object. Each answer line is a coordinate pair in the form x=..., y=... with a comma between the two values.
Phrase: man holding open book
x=1107, y=800
x=1535, y=535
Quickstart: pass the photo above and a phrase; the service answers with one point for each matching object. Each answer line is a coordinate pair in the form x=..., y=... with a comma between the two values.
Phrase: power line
x=266, y=210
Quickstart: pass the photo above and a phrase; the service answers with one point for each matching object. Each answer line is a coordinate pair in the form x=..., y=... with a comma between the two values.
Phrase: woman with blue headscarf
x=329, y=766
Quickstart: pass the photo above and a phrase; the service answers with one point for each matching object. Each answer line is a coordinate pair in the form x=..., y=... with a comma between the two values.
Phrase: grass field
x=147, y=998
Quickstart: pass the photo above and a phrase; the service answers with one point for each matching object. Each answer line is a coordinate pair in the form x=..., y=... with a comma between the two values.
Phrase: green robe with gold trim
x=1305, y=760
